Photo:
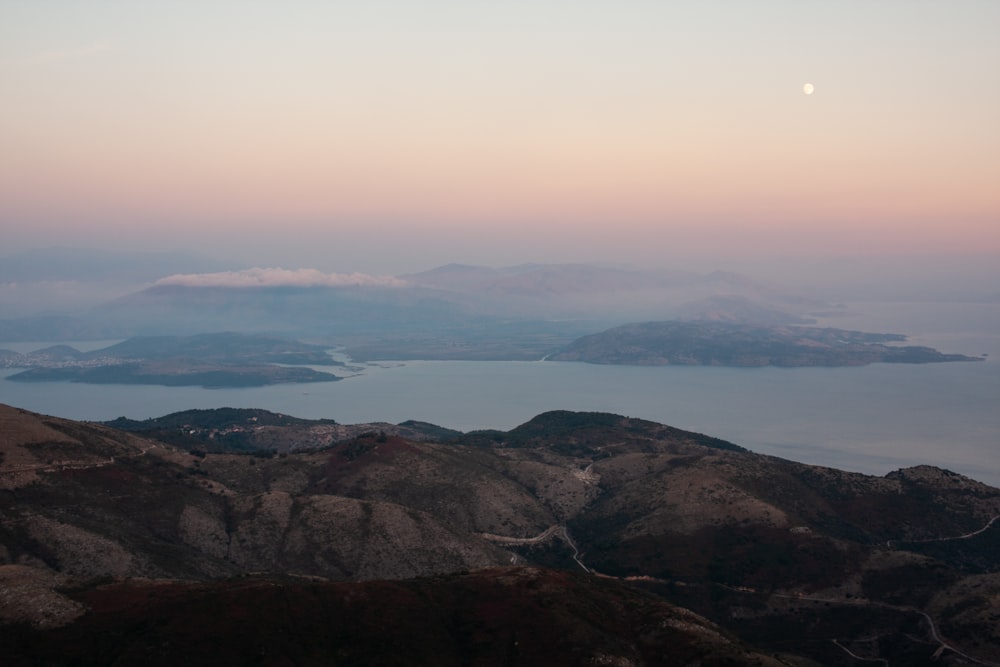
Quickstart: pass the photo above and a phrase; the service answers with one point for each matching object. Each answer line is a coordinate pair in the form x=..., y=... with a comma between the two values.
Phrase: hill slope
x=786, y=555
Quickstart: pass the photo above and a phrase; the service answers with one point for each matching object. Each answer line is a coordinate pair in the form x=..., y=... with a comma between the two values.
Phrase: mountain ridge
x=718, y=529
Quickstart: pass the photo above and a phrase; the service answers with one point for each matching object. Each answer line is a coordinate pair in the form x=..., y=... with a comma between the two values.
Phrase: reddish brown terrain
x=576, y=538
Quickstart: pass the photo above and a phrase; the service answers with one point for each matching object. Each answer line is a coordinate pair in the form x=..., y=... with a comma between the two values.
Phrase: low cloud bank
x=258, y=277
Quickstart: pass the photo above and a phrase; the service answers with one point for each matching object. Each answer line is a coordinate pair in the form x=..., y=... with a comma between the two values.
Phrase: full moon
x=808, y=89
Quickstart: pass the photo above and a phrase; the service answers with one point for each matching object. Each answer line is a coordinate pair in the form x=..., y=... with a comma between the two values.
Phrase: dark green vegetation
x=219, y=418
x=229, y=430
x=583, y=433
x=368, y=546
x=728, y=344
x=209, y=360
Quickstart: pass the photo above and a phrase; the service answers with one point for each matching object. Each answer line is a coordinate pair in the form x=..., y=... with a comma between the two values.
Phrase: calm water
x=870, y=419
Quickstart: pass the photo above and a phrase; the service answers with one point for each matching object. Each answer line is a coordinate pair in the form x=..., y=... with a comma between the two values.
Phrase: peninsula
x=704, y=343
x=208, y=360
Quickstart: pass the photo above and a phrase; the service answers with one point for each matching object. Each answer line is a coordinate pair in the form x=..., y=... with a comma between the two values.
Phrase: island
x=208, y=360
x=709, y=343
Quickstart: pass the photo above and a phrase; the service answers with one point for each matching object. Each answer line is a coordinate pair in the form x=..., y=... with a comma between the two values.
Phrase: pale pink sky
x=475, y=132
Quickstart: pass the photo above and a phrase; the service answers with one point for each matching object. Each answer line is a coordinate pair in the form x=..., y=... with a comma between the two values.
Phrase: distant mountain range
x=452, y=312
x=562, y=312
x=576, y=538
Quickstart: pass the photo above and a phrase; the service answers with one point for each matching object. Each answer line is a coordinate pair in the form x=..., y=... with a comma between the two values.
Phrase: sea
x=870, y=419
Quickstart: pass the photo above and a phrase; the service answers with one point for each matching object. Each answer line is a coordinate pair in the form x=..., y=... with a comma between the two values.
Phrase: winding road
x=555, y=530
x=562, y=532
x=989, y=524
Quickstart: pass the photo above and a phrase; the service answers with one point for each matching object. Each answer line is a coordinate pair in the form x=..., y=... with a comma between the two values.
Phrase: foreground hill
x=717, y=343
x=506, y=616
x=797, y=559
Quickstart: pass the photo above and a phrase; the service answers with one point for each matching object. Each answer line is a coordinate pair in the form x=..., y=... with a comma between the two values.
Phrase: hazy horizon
x=65, y=280
x=390, y=137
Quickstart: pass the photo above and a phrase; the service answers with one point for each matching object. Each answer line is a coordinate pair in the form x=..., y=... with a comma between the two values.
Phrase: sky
x=388, y=136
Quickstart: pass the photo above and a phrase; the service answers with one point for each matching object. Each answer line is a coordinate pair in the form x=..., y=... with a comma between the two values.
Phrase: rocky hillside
x=799, y=560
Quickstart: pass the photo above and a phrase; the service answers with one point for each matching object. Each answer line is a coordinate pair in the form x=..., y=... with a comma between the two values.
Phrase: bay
x=870, y=419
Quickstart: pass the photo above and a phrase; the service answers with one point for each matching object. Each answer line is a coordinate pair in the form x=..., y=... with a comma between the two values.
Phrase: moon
x=808, y=89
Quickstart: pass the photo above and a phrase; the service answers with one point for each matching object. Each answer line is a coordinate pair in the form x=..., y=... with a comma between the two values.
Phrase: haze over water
x=869, y=419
